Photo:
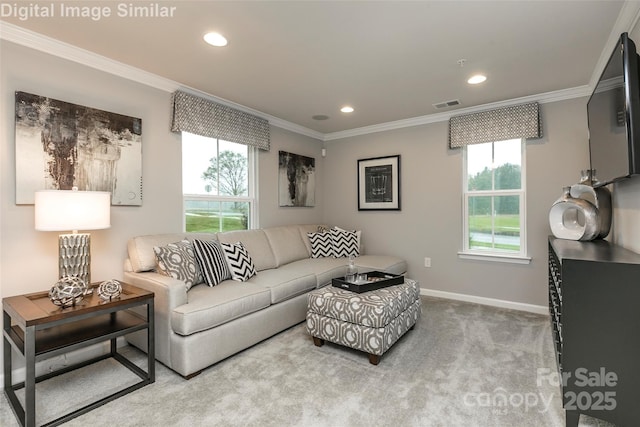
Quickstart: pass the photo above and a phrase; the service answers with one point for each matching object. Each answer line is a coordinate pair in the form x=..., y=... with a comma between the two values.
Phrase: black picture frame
x=379, y=184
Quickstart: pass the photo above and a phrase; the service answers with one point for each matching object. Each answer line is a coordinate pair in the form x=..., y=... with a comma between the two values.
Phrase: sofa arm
x=169, y=294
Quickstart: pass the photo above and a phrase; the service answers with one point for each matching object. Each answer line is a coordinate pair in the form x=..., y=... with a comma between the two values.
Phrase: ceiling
x=390, y=60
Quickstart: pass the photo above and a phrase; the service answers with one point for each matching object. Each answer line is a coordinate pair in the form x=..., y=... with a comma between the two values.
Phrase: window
x=218, y=184
x=494, y=198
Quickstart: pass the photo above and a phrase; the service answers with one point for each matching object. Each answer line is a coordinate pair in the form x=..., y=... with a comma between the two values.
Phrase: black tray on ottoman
x=375, y=280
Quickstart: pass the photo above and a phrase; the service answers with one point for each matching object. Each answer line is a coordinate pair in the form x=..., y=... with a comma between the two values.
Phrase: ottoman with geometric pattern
x=371, y=321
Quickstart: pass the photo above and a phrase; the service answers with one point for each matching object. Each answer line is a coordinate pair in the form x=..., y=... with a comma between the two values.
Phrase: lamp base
x=74, y=256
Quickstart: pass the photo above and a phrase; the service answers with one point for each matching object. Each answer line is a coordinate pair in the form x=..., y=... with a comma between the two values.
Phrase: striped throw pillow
x=212, y=261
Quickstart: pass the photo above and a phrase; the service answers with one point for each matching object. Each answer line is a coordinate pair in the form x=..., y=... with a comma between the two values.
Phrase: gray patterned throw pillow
x=178, y=260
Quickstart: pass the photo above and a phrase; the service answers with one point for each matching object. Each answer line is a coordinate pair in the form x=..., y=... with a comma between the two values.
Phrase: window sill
x=511, y=259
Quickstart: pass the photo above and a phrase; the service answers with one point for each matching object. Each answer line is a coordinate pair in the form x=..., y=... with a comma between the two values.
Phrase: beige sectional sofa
x=198, y=327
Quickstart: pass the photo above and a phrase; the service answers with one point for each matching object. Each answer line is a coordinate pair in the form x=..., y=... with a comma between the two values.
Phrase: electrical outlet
x=427, y=262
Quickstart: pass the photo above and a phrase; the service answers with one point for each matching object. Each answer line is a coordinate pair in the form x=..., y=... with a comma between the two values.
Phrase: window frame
x=252, y=189
x=493, y=254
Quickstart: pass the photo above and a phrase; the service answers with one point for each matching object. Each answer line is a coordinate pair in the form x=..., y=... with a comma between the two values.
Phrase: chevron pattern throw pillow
x=321, y=245
x=344, y=243
x=239, y=261
x=212, y=261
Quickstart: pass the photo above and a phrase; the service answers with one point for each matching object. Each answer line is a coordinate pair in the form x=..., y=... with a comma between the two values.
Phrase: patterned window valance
x=517, y=121
x=207, y=118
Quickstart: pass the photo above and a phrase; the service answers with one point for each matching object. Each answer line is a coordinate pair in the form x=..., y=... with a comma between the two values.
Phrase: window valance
x=203, y=117
x=517, y=121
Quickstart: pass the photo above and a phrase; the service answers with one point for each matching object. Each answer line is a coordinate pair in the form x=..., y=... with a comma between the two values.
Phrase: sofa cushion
x=286, y=243
x=211, y=261
x=324, y=269
x=285, y=282
x=178, y=260
x=209, y=307
x=321, y=245
x=140, y=249
x=256, y=243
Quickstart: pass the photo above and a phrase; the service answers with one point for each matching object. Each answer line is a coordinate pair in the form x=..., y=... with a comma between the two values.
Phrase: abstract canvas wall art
x=296, y=182
x=60, y=145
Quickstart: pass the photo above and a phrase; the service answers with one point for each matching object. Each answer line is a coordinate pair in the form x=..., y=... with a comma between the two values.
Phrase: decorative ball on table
x=68, y=291
x=109, y=289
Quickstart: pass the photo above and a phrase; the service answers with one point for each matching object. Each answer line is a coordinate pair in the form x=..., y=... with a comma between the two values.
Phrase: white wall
x=270, y=213
x=430, y=222
x=28, y=258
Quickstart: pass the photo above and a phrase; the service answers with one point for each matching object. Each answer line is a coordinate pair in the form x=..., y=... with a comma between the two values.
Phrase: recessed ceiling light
x=478, y=78
x=215, y=39
x=347, y=109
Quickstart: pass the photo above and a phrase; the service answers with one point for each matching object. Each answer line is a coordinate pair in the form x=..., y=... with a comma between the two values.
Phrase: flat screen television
x=614, y=116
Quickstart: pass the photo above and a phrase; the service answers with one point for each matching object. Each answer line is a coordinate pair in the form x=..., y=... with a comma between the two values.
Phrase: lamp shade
x=60, y=210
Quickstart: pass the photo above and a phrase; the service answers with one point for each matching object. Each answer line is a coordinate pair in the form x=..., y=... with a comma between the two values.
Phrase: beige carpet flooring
x=458, y=367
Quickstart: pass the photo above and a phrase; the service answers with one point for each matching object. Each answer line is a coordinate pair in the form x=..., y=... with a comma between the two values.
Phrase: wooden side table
x=38, y=330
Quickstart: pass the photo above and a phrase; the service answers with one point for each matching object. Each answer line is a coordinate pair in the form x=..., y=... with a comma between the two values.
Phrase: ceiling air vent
x=446, y=104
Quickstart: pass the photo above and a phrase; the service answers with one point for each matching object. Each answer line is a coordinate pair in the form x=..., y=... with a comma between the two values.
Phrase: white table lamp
x=73, y=210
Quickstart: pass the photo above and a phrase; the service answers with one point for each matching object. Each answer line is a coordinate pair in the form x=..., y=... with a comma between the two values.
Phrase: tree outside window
x=216, y=184
x=494, y=198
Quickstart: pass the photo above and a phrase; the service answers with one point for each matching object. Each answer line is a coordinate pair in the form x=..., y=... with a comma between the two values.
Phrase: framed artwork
x=379, y=183
x=61, y=145
x=296, y=180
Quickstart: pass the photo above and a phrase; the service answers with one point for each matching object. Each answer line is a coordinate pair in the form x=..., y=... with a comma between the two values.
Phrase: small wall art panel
x=296, y=181
x=60, y=145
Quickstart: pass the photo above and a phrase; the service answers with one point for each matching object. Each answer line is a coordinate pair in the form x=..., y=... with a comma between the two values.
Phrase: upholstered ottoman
x=370, y=321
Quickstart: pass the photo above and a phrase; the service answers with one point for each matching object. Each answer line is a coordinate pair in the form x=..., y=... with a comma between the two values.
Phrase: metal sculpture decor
x=109, y=289
x=68, y=291
x=583, y=212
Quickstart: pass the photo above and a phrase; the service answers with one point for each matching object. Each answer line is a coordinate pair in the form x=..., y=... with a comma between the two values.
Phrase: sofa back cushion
x=287, y=244
x=140, y=248
x=256, y=243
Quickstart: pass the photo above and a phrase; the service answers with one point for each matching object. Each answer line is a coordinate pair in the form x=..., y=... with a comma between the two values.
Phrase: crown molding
x=555, y=96
x=72, y=53
x=63, y=50
x=69, y=52
x=626, y=21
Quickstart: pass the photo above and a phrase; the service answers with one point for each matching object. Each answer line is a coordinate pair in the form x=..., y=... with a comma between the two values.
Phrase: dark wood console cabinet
x=594, y=302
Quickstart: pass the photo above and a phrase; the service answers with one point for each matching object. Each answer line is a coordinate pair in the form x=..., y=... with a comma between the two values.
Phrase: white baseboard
x=538, y=309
